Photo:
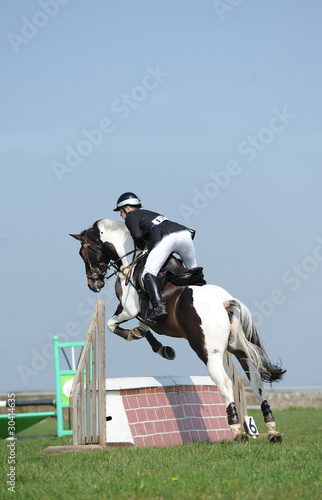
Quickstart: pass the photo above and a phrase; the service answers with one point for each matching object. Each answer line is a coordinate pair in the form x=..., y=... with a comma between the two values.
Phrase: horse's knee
x=111, y=325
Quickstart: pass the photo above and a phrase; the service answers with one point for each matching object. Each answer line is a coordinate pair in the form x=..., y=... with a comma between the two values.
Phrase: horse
x=206, y=315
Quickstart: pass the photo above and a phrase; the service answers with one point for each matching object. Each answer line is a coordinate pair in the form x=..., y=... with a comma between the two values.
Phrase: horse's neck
x=127, y=246
x=117, y=234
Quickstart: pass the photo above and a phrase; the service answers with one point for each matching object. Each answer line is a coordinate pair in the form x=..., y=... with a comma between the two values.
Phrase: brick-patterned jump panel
x=174, y=411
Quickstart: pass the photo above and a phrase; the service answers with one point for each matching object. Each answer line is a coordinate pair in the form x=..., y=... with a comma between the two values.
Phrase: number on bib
x=158, y=220
x=250, y=426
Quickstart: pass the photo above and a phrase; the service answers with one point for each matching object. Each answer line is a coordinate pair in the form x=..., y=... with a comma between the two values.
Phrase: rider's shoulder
x=142, y=213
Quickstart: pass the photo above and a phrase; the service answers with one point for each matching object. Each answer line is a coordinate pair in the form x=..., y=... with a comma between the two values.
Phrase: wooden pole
x=88, y=412
x=101, y=372
x=94, y=388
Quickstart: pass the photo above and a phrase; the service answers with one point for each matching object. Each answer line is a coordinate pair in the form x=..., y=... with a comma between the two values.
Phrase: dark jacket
x=146, y=226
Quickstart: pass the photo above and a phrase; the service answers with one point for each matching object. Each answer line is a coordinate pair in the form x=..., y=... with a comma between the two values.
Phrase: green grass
x=195, y=471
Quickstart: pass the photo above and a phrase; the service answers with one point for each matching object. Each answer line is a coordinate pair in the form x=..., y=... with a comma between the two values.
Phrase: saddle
x=173, y=271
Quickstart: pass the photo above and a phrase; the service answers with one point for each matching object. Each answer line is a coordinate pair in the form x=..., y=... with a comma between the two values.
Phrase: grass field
x=194, y=471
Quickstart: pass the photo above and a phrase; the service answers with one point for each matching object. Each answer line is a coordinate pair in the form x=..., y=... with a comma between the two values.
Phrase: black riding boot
x=152, y=287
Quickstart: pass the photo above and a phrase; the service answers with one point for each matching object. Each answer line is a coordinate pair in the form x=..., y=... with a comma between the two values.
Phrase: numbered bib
x=158, y=220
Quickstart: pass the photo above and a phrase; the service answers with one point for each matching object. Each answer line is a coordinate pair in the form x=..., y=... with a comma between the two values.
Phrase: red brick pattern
x=175, y=415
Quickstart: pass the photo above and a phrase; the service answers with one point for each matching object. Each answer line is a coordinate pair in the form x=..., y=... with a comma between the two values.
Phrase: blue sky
x=209, y=111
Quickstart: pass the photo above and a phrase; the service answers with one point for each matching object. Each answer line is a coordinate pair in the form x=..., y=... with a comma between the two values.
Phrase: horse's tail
x=252, y=344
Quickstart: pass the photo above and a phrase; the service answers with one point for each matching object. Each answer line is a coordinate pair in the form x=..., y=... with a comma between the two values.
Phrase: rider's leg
x=179, y=242
x=155, y=260
x=152, y=287
x=184, y=247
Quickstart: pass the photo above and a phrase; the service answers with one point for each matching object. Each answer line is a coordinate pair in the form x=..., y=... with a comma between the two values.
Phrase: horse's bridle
x=96, y=271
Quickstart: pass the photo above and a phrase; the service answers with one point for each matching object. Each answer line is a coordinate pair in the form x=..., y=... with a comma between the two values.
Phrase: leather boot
x=152, y=287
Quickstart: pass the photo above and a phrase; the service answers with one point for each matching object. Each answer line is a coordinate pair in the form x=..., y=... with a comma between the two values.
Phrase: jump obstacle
x=147, y=411
x=144, y=411
x=87, y=398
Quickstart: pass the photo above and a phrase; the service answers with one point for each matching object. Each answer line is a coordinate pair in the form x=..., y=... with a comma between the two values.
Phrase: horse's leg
x=137, y=333
x=257, y=387
x=166, y=352
x=127, y=309
x=206, y=326
x=253, y=376
x=218, y=374
x=120, y=316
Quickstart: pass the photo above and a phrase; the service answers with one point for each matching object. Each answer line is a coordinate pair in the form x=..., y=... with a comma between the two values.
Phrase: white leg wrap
x=235, y=429
x=271, y=426
x=273, y=435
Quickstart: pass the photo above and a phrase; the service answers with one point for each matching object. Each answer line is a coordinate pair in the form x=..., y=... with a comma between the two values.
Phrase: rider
x=162, y=237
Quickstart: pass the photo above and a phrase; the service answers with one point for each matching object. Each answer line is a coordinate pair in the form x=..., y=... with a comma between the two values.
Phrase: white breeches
x=180, y=243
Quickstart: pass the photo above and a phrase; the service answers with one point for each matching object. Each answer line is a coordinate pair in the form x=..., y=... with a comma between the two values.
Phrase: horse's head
x=96, y=256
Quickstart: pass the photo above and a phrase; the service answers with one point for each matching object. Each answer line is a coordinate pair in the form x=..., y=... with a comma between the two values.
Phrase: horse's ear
x=77, y=236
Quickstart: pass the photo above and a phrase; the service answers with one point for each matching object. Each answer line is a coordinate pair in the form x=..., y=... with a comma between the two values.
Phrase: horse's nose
x=92, y=285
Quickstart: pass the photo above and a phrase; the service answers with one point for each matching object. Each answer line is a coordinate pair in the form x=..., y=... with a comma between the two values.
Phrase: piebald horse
x=207, y=316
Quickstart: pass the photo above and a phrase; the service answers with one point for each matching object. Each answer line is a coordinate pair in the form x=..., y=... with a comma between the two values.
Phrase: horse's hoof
x=136, y=333
x=275, y=438
x=241, y=437
x=167, y=352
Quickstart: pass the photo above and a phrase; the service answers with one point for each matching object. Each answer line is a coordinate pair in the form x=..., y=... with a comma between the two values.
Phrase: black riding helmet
x=127, y=199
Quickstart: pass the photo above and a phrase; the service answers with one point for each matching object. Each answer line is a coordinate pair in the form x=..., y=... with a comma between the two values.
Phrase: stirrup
x=158, y=312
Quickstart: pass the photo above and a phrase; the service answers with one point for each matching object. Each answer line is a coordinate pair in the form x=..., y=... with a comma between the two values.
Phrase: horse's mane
x=113, y=225
x=92, y=233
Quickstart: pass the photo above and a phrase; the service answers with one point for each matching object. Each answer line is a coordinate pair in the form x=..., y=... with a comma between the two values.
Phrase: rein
x=131, y=266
